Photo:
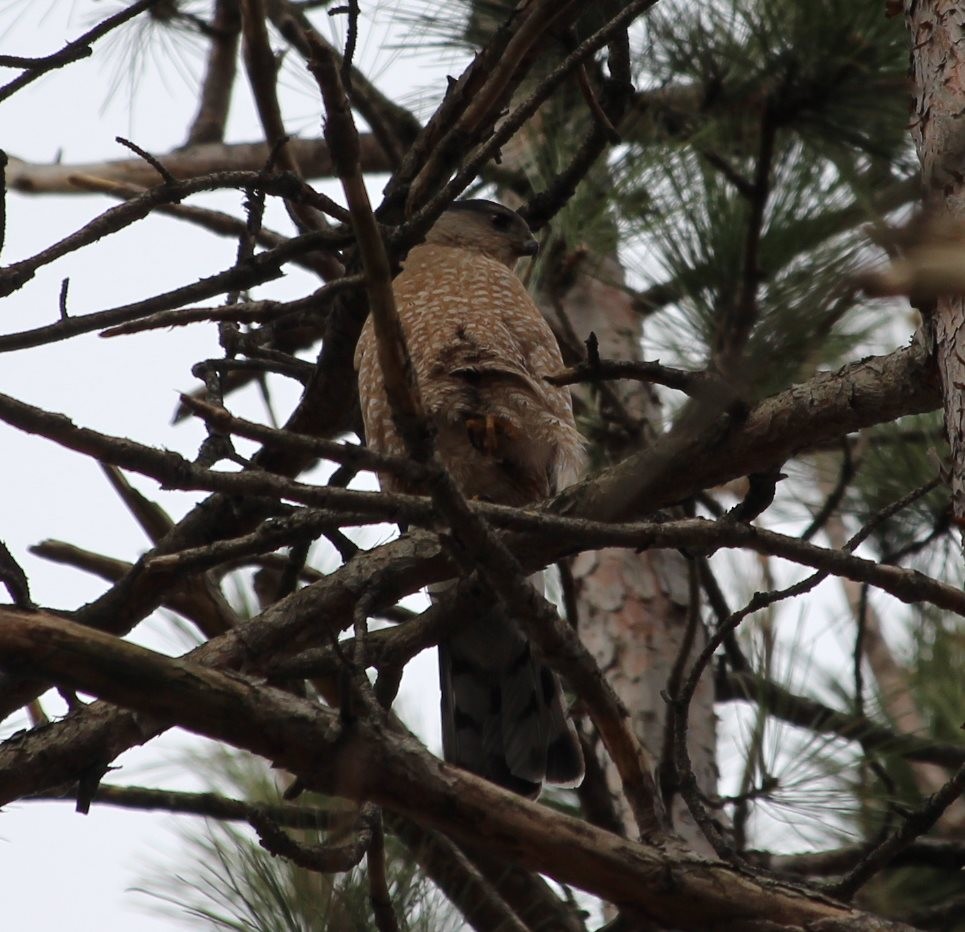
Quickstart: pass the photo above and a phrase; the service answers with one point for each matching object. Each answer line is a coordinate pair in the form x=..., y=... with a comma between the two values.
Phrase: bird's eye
x=501, y=221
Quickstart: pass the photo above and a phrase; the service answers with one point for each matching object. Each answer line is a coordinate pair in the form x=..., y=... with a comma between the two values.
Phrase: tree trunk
x=633, y=608
x=937, y=32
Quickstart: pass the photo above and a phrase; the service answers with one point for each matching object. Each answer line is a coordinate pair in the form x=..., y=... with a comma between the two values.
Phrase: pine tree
x=726, y=195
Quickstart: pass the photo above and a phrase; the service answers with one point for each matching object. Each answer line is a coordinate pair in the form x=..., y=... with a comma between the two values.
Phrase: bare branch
x=207, y=805
x=389, y=769
x=393, y=127
x=3, y=198
x=214, y=97
x=276, y=312
x=872, y=391
x=123, y=215
x=214, y=221
x=456, y=875
x=430, y=208
x=327, y=859
x=915, y=825
x=80, y=47
x=691, y=383
x=262, y=70
x=740, y=314
x=153, y=161
x=312, y=155
x=346, y=454
x=816, y=716
x=263, y=267
x=945, y=854
x=197, y=598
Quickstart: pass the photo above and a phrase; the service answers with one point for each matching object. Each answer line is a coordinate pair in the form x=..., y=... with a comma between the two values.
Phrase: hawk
x=480, y=349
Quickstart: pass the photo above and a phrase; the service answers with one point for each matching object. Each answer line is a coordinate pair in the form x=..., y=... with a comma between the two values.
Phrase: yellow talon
x=484, y=432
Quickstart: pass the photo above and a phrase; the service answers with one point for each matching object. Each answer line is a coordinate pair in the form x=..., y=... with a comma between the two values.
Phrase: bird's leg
x=482, y=433
x=487, y=432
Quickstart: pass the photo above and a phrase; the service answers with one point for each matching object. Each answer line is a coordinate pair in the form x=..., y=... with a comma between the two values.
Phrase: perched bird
x=480, y=349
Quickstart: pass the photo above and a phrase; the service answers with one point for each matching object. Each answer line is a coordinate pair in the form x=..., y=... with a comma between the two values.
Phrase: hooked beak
x=529, y=248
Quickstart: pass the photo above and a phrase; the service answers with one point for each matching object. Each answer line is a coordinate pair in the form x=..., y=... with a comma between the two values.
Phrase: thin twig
x=151, y=517
x=351, y=10
x=3, y=198
x=393, y=126
x=62, y=301
x=718, y=603
x=475, y=101
x=611, y=405
x=743, y=186
x=600, y=116
x=739, y=320
x=857, y=654
x=941, y=853
x=155, y=163
x=264, y=267
x=214, y=221
x=847, y=473
x=459, y=879
x=427, y=213
x=689, y=382
x=916, y=824
x=292, y=367
x=396, y=368
x=207, y=805
x=347, y=454
x=274, y=312
x=262, y=69
x=744, y=685
x=386, y=648
x=330, y=858
x=669, y=778
x=123, y=215
x=359, y=682
x=72, y=51
x=681, y=703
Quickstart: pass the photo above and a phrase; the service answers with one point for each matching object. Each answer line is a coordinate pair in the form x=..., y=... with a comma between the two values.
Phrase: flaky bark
x=633, y=607
x=937, y=33
x=872, y=391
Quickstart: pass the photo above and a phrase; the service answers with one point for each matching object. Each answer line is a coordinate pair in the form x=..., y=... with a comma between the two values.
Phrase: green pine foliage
x=898, y=458
x=228, y=881
x=724, y=75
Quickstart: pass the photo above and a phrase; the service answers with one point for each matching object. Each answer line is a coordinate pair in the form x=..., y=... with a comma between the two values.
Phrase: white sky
x=59, y=870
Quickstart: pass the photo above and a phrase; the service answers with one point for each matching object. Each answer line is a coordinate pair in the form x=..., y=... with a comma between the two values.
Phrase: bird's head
x=486, y=227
